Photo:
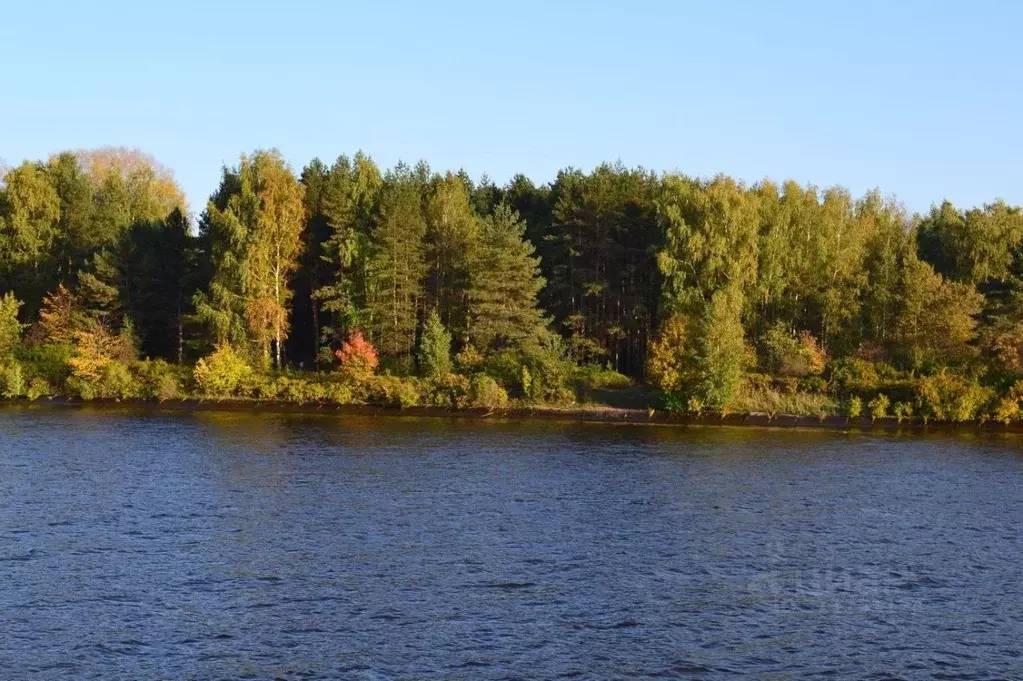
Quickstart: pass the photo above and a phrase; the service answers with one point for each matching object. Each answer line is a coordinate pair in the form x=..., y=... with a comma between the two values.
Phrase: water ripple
x=263, y=546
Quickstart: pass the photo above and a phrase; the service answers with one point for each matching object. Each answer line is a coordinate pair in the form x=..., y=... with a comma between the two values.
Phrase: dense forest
x=351, y=283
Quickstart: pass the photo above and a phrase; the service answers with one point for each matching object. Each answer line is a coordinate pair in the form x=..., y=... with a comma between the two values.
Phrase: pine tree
x=435, y=348
x=350, y=198
x=396, y=268
x=504, y=283
x=220, y=302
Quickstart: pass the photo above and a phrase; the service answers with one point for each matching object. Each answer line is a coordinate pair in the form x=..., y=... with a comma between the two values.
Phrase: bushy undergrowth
x=860, y=389
x=226, y=374
x=101, y=367
x=222, y=374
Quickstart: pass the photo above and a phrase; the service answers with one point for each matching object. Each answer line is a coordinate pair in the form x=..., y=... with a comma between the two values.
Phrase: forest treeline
x=348, y=282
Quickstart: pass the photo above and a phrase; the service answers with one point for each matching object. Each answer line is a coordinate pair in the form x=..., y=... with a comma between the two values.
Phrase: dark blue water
x=146, y=546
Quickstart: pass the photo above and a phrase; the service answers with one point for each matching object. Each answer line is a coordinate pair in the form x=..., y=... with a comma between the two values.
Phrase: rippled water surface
x=138, y=546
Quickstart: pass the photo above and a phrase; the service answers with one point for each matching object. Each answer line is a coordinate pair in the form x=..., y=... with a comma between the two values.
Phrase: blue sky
x=921, y=99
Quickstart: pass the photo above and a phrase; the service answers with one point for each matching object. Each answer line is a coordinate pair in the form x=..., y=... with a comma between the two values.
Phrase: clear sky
x=921, y=99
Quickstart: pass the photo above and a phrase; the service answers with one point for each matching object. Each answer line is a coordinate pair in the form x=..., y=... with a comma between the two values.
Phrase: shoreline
x=580, y=414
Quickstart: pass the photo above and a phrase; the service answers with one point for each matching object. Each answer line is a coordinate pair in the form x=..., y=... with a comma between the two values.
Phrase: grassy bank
x=566, y=414
x=841, y=393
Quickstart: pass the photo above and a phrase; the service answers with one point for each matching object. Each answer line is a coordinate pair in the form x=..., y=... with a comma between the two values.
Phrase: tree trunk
x=181, y=338
x=315, y=305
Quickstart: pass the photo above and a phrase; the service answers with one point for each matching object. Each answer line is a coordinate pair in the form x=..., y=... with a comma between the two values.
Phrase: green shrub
x=798, y=356
x=505, y=366
x=83, y=387
x=951, y=397
x=852, y=375
x=292, y=390
x=102, y=379
x=261, y=386
x=402, y=365
x=157, y=380
x=10, y=328
x=392, y=391
x=787, y=385
x=49, y=363
x=448, y=391
x=118, y=383
x=485, y=393
x=12, y=380
x=670, y=356
x=854, y=408
x=221, y=374
x=1007, y=408
x=676, y=402
x=902, y=411
x=754, y=382
x=527, y=380
x=300, y=390
x=315, y=391
x=596, y=377
x=722, y=355
x=325, y=358
x=879, y=406
x=549, y=369
x=337, y=392
x=38, y=387
x=813, y=384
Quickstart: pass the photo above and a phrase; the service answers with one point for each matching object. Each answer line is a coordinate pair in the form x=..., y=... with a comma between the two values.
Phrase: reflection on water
x=278, y=545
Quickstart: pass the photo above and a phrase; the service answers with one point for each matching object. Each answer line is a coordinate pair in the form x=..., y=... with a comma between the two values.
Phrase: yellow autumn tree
x=669, y=361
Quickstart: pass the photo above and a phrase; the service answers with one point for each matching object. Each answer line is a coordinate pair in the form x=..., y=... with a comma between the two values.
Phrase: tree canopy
x=692, y=283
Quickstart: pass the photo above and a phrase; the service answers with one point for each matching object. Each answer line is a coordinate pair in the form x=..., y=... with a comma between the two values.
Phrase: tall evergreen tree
x=313, y=268
x=220, y=301
x=146, y=278
x=396, y=266
x=351, y=197
x=598, y=247
x=504, y=282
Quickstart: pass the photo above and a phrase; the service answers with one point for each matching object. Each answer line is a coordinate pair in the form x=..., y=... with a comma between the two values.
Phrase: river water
x=232, y=545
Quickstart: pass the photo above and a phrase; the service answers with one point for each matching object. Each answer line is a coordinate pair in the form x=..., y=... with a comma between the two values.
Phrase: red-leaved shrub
x=358, y=357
